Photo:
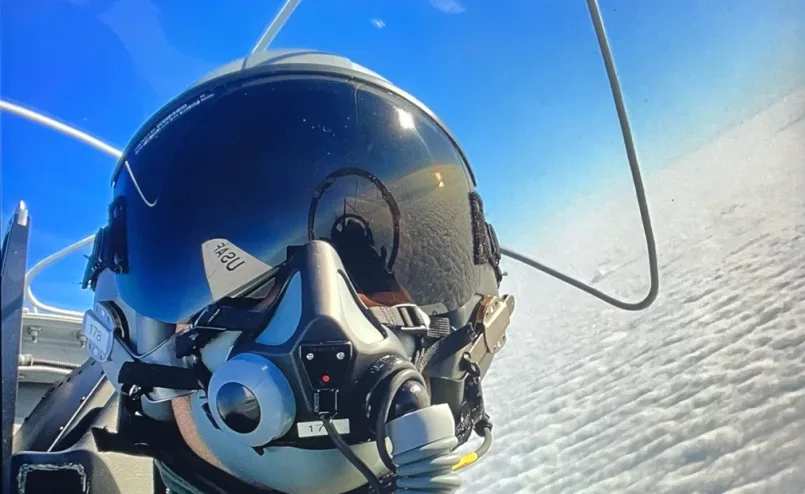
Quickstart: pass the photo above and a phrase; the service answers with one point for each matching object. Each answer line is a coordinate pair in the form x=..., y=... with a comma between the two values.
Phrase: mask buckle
x=407, y=318
x=214, y=320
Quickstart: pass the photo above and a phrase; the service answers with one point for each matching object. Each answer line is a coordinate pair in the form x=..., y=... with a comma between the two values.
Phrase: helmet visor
x=218, y=185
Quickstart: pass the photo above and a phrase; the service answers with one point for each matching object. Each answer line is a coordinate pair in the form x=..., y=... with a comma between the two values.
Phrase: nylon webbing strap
x=439, y=327
x=446, y=347
x=411, y=319
x=159, y=376
x=445, y=344
x=397, y=317
x=473, y=412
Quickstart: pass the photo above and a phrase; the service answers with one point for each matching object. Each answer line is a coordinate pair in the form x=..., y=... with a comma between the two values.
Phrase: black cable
x=396, y=383
x=634, y=166
x=342, y=446
x=483, y=448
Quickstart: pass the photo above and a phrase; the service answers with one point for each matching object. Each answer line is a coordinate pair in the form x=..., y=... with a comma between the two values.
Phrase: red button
x=325, y=378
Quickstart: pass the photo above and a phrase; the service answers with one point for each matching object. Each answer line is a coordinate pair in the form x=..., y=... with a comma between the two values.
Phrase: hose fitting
x=422, y=443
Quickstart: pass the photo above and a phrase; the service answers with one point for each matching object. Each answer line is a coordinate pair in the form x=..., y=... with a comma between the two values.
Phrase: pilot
x=298, y=288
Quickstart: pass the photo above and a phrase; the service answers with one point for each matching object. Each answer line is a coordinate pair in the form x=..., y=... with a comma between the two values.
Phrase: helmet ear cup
x=250, y=400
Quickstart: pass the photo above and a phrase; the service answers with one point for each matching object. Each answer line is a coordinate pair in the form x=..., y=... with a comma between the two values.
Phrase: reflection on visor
x=278, y=162
x=357, y=214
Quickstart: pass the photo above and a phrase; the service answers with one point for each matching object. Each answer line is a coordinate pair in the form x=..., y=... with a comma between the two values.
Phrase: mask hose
x=422, y=437
x=423, y=443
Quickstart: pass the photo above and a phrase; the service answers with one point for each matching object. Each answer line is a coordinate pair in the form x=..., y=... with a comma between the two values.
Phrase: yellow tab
x=466, y=461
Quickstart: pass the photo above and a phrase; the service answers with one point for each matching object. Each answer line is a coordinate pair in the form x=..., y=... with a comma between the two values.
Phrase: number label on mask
x=316, y=428
x=99, y=337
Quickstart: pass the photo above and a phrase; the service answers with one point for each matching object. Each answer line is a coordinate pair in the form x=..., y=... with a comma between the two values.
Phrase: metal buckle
x=419, y=319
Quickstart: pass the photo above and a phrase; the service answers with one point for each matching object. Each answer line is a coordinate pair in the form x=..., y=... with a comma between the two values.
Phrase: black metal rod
x=637, y=180
x=14, y=259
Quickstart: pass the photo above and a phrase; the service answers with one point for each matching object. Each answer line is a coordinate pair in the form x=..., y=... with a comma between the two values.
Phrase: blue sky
x=519, y=82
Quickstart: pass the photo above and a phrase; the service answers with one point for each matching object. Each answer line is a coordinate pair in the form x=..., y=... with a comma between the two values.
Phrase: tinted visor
x=219, y=186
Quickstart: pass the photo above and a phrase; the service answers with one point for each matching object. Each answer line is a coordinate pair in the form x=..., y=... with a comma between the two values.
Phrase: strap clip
x=408, y=318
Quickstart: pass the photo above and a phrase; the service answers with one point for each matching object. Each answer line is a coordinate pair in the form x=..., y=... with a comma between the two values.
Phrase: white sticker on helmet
x=229, y=269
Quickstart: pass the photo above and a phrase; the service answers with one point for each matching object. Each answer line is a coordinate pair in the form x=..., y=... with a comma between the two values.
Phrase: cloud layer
x=705, y=391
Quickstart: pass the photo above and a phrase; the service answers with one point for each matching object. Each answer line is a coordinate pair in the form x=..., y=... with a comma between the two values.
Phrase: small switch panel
x=326, y=364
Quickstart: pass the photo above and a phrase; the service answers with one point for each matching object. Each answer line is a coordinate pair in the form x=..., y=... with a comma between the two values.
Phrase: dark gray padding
x=480, y=239
x=106, y=472
x=62, y=406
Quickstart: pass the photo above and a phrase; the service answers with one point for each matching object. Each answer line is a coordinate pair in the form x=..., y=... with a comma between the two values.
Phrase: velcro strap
x=149, y=376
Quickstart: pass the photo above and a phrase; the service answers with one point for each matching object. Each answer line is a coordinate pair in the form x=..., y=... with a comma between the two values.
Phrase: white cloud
x=448, y=6
x=702, y=392
x=378, y=23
